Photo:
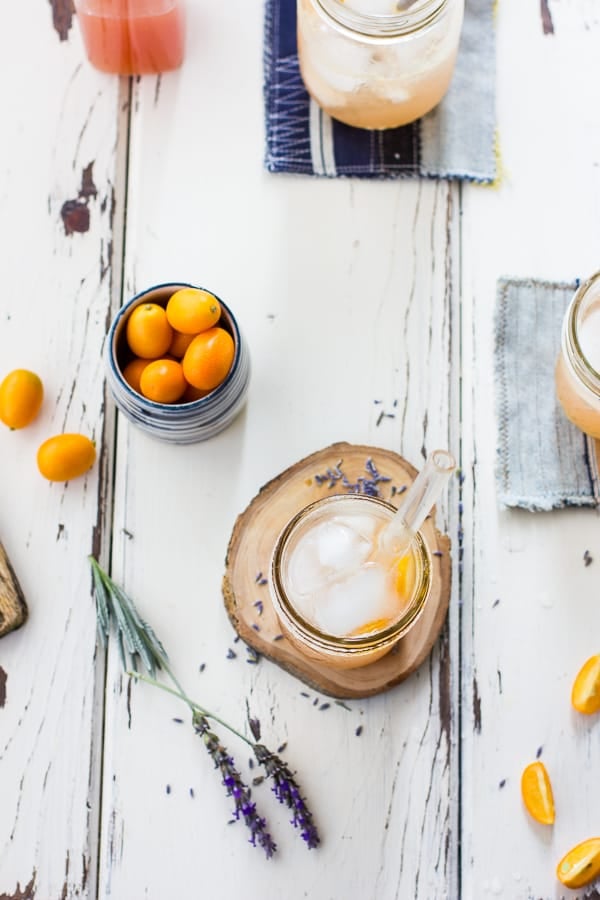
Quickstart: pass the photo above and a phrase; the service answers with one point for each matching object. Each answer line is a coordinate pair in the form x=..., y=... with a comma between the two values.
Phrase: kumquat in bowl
x=177, y=364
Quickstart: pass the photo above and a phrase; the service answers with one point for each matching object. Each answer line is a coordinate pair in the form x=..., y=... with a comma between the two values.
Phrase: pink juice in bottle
x=132, y=37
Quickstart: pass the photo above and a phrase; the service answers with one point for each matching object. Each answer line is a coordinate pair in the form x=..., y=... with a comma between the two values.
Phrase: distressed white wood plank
x=58, y=147
x=521, y=654
x=347, y=292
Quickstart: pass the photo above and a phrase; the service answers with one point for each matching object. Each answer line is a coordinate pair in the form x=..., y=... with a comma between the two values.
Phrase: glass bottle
x=577, y=371
x=132, y=37
x=378, y=63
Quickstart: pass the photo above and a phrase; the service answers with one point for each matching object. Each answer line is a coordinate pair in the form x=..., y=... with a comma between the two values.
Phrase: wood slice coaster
x=13, y=609
x=247, y=570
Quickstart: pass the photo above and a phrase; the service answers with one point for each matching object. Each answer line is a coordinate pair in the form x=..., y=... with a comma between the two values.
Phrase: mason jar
x=378, y=63
x=355, y=633
x=577, y=372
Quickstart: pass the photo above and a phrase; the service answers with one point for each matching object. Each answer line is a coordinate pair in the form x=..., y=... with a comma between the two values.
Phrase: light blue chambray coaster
x=544, y=462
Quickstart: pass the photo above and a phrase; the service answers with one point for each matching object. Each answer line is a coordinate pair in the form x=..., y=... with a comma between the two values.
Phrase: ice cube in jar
x=333, y=595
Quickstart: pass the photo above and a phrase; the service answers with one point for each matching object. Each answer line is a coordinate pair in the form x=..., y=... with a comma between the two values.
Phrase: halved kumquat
x=405, y=576
x=371, y=627
x=536, y=791
x=208, y=359
x=580, y=865
x=585, y=694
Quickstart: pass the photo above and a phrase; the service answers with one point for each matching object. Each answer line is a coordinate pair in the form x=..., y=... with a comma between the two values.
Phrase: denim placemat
x=455, y=140
x=544, y=462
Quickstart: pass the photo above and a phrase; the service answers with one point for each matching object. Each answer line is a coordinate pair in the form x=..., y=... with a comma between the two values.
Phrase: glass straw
x=417, y=503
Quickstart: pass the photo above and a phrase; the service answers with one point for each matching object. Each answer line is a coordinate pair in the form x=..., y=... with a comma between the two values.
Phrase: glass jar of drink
x=378, y=63
x=132, y=37
x=340, y=600
x=578, y=365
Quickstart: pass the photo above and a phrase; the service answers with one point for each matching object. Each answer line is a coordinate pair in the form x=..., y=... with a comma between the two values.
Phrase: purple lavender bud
x=235, y=787
x=287, y=792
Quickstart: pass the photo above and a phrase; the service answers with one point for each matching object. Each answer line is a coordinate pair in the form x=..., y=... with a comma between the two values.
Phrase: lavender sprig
x=285, y=787
x=287, y=791
x=232, y=780
x=115, y=610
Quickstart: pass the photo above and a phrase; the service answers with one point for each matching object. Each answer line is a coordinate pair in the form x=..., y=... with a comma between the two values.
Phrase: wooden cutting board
x=246, y=579
x=13, y=608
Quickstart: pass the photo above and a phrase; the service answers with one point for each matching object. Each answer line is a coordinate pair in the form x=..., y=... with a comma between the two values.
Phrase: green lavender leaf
x=102, y=613
x=136, y=639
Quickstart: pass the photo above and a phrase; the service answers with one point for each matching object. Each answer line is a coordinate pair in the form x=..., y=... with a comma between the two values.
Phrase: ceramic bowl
x=179, y=423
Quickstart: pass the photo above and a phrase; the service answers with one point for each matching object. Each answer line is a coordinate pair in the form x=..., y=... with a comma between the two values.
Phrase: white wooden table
x=347, y=291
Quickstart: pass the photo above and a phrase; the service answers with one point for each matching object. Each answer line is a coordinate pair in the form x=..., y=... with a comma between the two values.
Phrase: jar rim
x=574, y=351
x=359, y=643
x=159, y=293
x=383, y=24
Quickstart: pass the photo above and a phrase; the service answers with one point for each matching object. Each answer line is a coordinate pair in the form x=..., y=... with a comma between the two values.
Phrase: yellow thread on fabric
x=496, y=183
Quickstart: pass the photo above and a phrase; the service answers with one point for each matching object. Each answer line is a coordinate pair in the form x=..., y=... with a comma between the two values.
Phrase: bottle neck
x=417, y=16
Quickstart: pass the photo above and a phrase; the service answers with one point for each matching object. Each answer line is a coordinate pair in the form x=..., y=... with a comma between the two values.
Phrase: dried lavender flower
x=287, y=791
x=254, y=724
x=363, y=485
x=235, y=787
x=117, y=613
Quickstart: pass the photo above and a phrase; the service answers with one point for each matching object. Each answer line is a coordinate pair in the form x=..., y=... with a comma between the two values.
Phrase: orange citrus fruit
x=580, y=865
x=208, y=359
x=162, y=381
x=66, y=456
x=192, y=310
x=133, y=372
x=192, y=393
x=370, y=627
x=21, y=395
x=180, y=343
x=536, y=791
x=148, y=332
x=405, y=576
x=585, y=695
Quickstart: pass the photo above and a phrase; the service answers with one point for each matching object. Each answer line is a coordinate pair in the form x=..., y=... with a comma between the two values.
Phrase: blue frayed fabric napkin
x=544, y=462
x=455, y=140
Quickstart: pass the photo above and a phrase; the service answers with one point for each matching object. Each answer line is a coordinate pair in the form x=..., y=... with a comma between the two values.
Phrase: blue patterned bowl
x=179, y=423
